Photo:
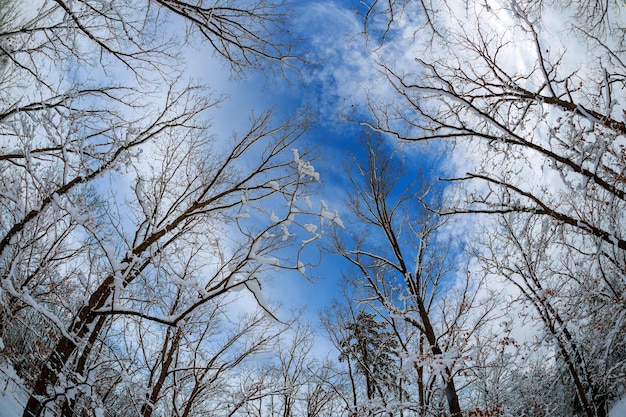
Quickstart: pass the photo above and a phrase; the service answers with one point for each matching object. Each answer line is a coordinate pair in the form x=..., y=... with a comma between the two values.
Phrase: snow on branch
x=305, y=169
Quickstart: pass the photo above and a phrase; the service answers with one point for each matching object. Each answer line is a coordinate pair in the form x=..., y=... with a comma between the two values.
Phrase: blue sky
x=342, y=72
x=317, y=90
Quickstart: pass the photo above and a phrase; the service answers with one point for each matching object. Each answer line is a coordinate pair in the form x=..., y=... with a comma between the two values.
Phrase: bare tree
x=545, y=138
x=298, y=383
x=253, y=36
x=407, y=279
x=565, y=291
x=171, y=223
x=119, y=205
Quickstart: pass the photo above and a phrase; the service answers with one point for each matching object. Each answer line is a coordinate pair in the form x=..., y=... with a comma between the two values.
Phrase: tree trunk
x=68, y=406
x=65, y=348
x=167, y=355
x=450, y=391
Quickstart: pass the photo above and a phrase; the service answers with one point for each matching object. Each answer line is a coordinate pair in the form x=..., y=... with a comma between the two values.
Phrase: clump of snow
x=142, y=198
x=286, y=234
x=305, y=169
x=275, y=186
x=308, y=203
x=244, y=215
x=254, y=286
x=268, y=260
x=334, y=216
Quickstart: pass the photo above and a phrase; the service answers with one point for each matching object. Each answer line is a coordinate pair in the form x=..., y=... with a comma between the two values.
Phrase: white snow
x=142, y=198
x=305, y=169
x=12, y=395
x=254, y=285
x=268, y=260
x=275, y=186
x=618, y=409
x=286, y=234
x=334, y=216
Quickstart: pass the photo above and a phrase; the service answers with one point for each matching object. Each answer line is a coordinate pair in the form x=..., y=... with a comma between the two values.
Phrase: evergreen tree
x=373, y=349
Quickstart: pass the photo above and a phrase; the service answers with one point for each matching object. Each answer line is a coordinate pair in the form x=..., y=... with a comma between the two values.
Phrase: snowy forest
x=453, y=172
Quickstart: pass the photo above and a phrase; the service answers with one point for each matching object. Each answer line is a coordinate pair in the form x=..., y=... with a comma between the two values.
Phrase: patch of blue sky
x=333, y=86
x=337, y=86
